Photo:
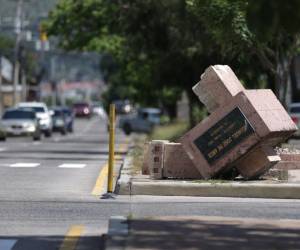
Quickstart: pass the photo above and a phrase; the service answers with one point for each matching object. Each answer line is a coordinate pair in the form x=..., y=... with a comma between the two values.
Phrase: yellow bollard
x=111, y=156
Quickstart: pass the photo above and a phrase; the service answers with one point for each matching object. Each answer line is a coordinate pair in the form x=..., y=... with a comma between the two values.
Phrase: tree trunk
x=193, y=100
x=283, y=80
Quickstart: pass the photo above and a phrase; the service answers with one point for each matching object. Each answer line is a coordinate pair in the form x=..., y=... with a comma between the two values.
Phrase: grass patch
x=165, y=132
x=137, y=154
x=169, y=132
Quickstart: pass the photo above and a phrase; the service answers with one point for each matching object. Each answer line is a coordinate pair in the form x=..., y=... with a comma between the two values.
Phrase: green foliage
x=199, y=112
x=6, y=46
x=170, y=131
x=153, y=50
x=27, y=57
x=255, y=32
x=153, y=44
x=226, y=21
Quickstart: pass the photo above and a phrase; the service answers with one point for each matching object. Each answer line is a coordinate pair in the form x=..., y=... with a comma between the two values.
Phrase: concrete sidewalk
x=197, y=232
x=134, y=184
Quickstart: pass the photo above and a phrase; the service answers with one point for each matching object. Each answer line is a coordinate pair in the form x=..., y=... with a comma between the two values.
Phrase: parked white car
x=43, y=115
x=19, y=122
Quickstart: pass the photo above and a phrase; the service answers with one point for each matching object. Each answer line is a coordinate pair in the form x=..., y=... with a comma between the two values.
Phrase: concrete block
x=294, y=175
x=146, y=155
x=218, y=85
x=156, y=160
x=177, y=164
x=257, y=162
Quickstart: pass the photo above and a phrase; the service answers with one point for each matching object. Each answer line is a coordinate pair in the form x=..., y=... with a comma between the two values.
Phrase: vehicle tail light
x=86, y=111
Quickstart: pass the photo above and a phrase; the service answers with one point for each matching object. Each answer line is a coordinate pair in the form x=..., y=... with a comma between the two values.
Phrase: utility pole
x=24, y=85
x=18, y=27
x=1, y=93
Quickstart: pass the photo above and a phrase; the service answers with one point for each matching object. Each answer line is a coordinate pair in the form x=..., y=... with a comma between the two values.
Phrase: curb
x=117, y=233
x=123, y=186
x=241, y=190
x=129, y=185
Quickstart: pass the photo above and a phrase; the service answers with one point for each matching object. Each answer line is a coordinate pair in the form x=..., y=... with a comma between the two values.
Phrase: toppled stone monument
x=241, y=131
x=164, y=159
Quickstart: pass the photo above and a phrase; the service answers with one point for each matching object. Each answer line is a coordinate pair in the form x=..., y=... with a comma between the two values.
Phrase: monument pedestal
x=243, y=128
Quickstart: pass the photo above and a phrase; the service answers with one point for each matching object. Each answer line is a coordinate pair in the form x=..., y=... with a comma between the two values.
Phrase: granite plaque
x=224, y=135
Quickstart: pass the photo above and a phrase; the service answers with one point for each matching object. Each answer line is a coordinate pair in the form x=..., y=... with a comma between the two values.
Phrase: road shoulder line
x=98, y=188
x=72, y=237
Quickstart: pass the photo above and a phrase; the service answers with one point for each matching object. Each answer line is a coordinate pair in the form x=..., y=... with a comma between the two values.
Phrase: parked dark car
x=123, y=106
x=59, y=120
x=82, y=109
x=69, y=116
x=20, y=122
x=141, y=121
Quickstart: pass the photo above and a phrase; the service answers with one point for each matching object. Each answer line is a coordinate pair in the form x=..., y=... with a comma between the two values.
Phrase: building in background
x=71, y=77
x=58, y=77
x=6, y=77
x=20, y=21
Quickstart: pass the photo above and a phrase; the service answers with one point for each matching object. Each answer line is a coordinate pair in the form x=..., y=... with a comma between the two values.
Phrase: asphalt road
x=50, y=190
x=50, y=193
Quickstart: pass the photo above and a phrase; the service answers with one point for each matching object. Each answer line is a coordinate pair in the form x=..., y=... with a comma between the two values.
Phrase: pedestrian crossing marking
x=72, y=165
x=7, y=244
x=2, y=149
x=24, y=165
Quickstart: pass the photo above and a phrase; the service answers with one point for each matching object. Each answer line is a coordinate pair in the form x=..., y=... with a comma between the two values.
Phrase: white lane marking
x=72, y=165
x=7, y=244
x=24, y=165
x=2, y=149
x=56, y=139
x=37, y=143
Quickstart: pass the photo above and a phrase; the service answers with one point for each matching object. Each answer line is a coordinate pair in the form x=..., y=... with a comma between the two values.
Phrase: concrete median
x=142, y=185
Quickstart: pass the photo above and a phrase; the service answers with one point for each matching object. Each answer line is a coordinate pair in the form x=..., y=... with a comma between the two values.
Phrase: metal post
x=111, y=148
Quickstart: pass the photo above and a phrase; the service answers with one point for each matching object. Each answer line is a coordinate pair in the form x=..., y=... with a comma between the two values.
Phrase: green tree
x=154, y=50
x=158, y=48
x=265, y=31
x=6, y=46
x=94, y=25
x=170, y=36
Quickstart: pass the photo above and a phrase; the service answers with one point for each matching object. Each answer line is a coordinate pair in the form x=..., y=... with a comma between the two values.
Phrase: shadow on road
x=200, y=234
x=65, y=152
x=51, y=242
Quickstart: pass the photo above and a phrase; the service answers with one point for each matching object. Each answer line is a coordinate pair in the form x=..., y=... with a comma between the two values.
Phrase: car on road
x=99, y=110
x=141, y=121
x=82, y=109
x=20, y=122
x=42, y=113
x=69, y=116
x=59, y=120
x=294, y=111
x=123, y=106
